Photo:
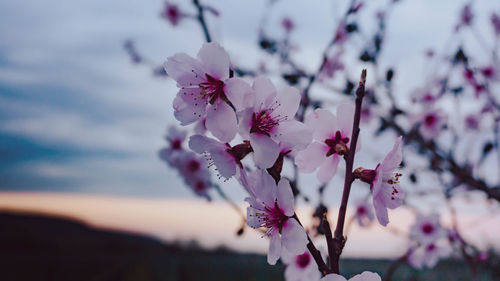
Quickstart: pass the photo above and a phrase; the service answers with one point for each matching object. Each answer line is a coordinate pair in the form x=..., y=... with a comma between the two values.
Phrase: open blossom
x=431, y=122
x=206, y=91
x=365, y=276
x=428, y=254
x=270, y=120
x=272, y=207
x=363, y=212
x=384, y=183
x=226, y=159
x=301, y=267
x=174, y=138
x=195, y=173
x=332, y=140
x=427, y=229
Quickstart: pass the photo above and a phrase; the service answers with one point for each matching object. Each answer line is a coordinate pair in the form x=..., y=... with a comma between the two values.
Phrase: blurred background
x=84, y=195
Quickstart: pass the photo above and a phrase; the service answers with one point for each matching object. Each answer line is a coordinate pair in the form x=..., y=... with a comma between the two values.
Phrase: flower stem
x=322, y=267
x=338, y=239
x=201, y=20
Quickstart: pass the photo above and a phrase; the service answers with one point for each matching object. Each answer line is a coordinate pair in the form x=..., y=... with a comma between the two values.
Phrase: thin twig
x=201, y=20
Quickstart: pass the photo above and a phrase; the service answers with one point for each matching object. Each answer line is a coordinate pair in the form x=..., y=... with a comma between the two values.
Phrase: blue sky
x=76, y=115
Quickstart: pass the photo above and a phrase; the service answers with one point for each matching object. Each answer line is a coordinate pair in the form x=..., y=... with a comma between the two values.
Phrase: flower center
x=361, y=210
x=337, y=144
x=172, y=12
x=303, y=260
x=430, y=120
x=427, y=228
x=431, y=247
x=263, y=123
x=212, y=89
x=193, y=166
x=176, y=145
x=273, y=217
x=199, y=186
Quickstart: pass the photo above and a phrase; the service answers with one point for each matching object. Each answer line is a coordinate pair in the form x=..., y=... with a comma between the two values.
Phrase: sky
x=77, y=117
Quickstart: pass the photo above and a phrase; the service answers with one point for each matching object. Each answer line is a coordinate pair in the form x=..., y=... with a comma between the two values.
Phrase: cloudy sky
x=80, y=125
x=77, y=116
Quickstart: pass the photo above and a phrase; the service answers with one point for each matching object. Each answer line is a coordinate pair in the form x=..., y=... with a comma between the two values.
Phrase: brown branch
x=339, y=239
x=462, y=173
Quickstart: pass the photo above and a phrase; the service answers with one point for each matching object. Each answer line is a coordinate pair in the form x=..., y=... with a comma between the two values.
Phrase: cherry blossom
x=287, y=24
x=365, y=276
x=495, y=21
x=332, y=140
x=270, y=120
x=431, y=122
x=272, y=207
x=333, y=64
x=207, y=91
x=428, y=254
x=227, y=159
x=466, y=17
x=363, y=212
x=384, y=183
x=489, y=72
x=300, y=267
x=424, y=96
x=172, y=13
x=472, y=121
x=427, y=229
x=174, y=138
x=195, y=173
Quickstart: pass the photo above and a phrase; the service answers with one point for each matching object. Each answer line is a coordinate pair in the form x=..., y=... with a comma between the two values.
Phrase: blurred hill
x=38, y=247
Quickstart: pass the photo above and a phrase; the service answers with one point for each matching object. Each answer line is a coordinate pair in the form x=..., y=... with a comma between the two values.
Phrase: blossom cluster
x=234, y=118
x=190, y=166
x=430, y=241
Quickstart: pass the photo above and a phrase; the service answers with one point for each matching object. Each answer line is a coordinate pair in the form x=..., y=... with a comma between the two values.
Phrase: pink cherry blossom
x=363, y=212
x=489, y=72
x=466, y=17
x=333, y=64
x=472, y=122
x=365, y=276
x=341, y=33
x=332, y=140
x=300, y=267
x=207, y=91
x=424, y=96
x=384, y=183
x=495, y=21
x=226, y=159
x=172, y=14
x=272, y=207
x=270, y=120
x=428, y=254
x=431, y=122
x=287, y=24
x=195, y=173
x=174, y=138
x=427, y=229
